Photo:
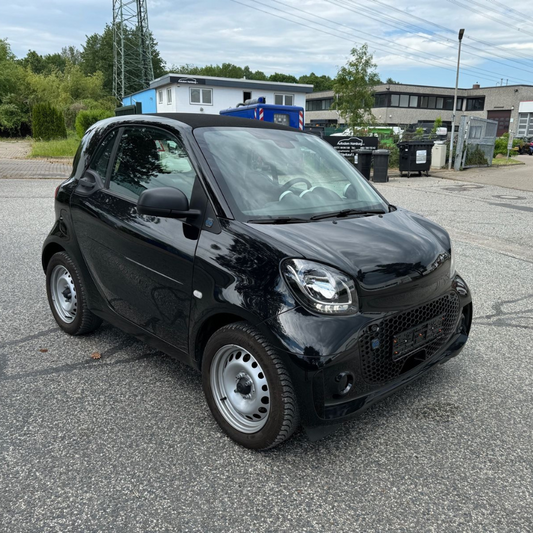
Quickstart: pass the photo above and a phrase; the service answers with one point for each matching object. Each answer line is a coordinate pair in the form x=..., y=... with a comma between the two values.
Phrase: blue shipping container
x=287, y=115
x=146, y=97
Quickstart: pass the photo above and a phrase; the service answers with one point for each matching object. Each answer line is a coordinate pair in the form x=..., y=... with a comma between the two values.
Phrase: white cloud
x=216, y=31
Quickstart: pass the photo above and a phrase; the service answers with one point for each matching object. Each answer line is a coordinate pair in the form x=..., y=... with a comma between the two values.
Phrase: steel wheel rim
x=240, y=389
x=63, y=293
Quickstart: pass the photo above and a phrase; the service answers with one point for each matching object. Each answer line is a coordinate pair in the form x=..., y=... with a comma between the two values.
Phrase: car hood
x=378, y=251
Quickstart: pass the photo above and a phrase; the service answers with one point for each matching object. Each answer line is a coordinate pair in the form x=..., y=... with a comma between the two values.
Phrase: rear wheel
x=67, y=298
x=248, y=388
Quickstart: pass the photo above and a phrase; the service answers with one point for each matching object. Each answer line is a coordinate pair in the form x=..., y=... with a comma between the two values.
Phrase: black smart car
x=257, y=254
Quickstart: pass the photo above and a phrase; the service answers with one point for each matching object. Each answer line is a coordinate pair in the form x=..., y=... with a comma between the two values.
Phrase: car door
x=143, y=265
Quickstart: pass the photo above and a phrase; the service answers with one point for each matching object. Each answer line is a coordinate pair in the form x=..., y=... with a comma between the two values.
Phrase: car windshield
x=269, y=173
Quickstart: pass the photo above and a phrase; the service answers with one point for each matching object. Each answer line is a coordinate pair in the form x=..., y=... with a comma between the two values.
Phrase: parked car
x=258, y=255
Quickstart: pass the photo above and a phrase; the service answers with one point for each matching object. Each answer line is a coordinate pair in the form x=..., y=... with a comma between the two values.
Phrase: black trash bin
x=364, y=161
x=415, y=156
x=381, y=166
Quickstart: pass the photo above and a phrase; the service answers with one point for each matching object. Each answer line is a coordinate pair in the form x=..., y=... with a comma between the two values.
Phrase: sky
x=413, y=41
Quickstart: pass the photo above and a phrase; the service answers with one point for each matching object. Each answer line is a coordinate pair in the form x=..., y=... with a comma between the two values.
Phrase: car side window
x=101, y=159
x=149, y=158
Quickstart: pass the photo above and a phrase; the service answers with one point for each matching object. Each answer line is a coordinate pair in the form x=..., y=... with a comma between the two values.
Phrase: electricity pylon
x=132, y=50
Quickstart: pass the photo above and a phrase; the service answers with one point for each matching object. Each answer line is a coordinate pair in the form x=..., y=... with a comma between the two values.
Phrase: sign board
x=421, y=157
x=347, y=146
x=442, y=131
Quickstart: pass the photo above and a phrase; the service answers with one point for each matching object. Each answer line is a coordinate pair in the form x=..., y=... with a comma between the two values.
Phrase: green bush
x=500, y=146
x=394, y=152
x=48, y=122
x=86, y=119
x=11, y=119
x=475, y=157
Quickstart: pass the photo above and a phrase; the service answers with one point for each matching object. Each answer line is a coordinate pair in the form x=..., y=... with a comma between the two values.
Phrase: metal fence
x=475, y=142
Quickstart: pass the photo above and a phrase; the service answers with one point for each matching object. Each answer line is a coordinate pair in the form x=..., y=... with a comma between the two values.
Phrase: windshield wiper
x=279, y=220
x=348, y=212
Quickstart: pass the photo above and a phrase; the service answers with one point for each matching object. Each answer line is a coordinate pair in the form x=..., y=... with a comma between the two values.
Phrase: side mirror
x=165, y=202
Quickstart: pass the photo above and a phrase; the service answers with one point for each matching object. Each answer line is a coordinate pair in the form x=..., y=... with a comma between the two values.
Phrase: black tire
x=81, y=320
x=283, y=416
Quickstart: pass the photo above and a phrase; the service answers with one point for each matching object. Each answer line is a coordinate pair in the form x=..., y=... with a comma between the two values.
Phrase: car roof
x=200, y=120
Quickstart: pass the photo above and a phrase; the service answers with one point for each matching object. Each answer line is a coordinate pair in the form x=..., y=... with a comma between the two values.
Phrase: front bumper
x=339, y=387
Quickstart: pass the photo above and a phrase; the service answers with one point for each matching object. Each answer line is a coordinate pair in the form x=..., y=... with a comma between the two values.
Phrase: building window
x=284, y=99
x=381, y=100
x=418, y=101
x=525, y=124
x=318, y=105
x=404, y=100
x=201, y=96
x=160, y=94
x=169, y=95
x=246, y=95
x=475, y=104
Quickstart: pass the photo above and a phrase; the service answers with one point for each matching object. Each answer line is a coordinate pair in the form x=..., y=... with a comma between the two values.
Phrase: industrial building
x=400, y=104
x=181, y=93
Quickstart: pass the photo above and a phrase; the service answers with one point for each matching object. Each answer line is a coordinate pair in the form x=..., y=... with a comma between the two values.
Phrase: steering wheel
x=290, y=183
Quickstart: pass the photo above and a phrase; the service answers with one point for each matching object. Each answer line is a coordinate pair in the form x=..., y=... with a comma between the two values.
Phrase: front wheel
x=67, y=297
x=248, y=388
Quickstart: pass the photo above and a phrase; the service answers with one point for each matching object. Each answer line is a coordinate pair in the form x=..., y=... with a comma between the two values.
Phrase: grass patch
x=14, y=139
x=58, y=148
x=503, y=162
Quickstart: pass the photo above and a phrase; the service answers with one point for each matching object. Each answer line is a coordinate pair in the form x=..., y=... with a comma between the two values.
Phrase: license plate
x=412, y=339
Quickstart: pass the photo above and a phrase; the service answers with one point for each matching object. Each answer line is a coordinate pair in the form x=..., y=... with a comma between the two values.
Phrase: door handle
x=87, y=183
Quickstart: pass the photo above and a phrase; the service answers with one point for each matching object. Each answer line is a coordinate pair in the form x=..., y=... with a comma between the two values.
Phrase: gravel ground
x=514, y=177
x=14, y=149
x=14, y=165
x=126, y=443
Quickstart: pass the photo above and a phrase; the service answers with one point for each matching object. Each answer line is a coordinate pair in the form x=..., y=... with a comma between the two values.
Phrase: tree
x=187, y=68
x=11, y=74
x=11, y=119
x=390, y=81
x=282, y=78
x=319, y=83
x=48, y=122
x=97, y=55
x=71, y=54
x=354, y=87
x=50, y=62
x=436, y=125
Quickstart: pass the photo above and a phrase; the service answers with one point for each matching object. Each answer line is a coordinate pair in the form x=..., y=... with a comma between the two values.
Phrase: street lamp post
x=461, y=33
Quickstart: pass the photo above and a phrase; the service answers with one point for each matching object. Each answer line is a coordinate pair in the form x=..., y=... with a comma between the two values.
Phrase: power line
x=452, y=42
x=343, y=5
x=354, y=38
x=509, y=9
x=508, y=12
x=434, y=24
x=486, y=15
x=431, y=56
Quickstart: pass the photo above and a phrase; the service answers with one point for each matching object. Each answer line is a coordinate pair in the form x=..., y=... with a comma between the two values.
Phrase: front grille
x=375, y=343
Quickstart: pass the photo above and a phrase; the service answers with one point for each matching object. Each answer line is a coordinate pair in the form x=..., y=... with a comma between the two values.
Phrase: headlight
x=321, y=288
x=452, y=262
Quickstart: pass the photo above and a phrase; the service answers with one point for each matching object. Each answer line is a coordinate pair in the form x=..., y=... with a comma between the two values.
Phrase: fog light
x=345, y=383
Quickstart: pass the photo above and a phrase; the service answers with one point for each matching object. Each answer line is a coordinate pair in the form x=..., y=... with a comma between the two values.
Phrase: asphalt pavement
x=126, y=442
